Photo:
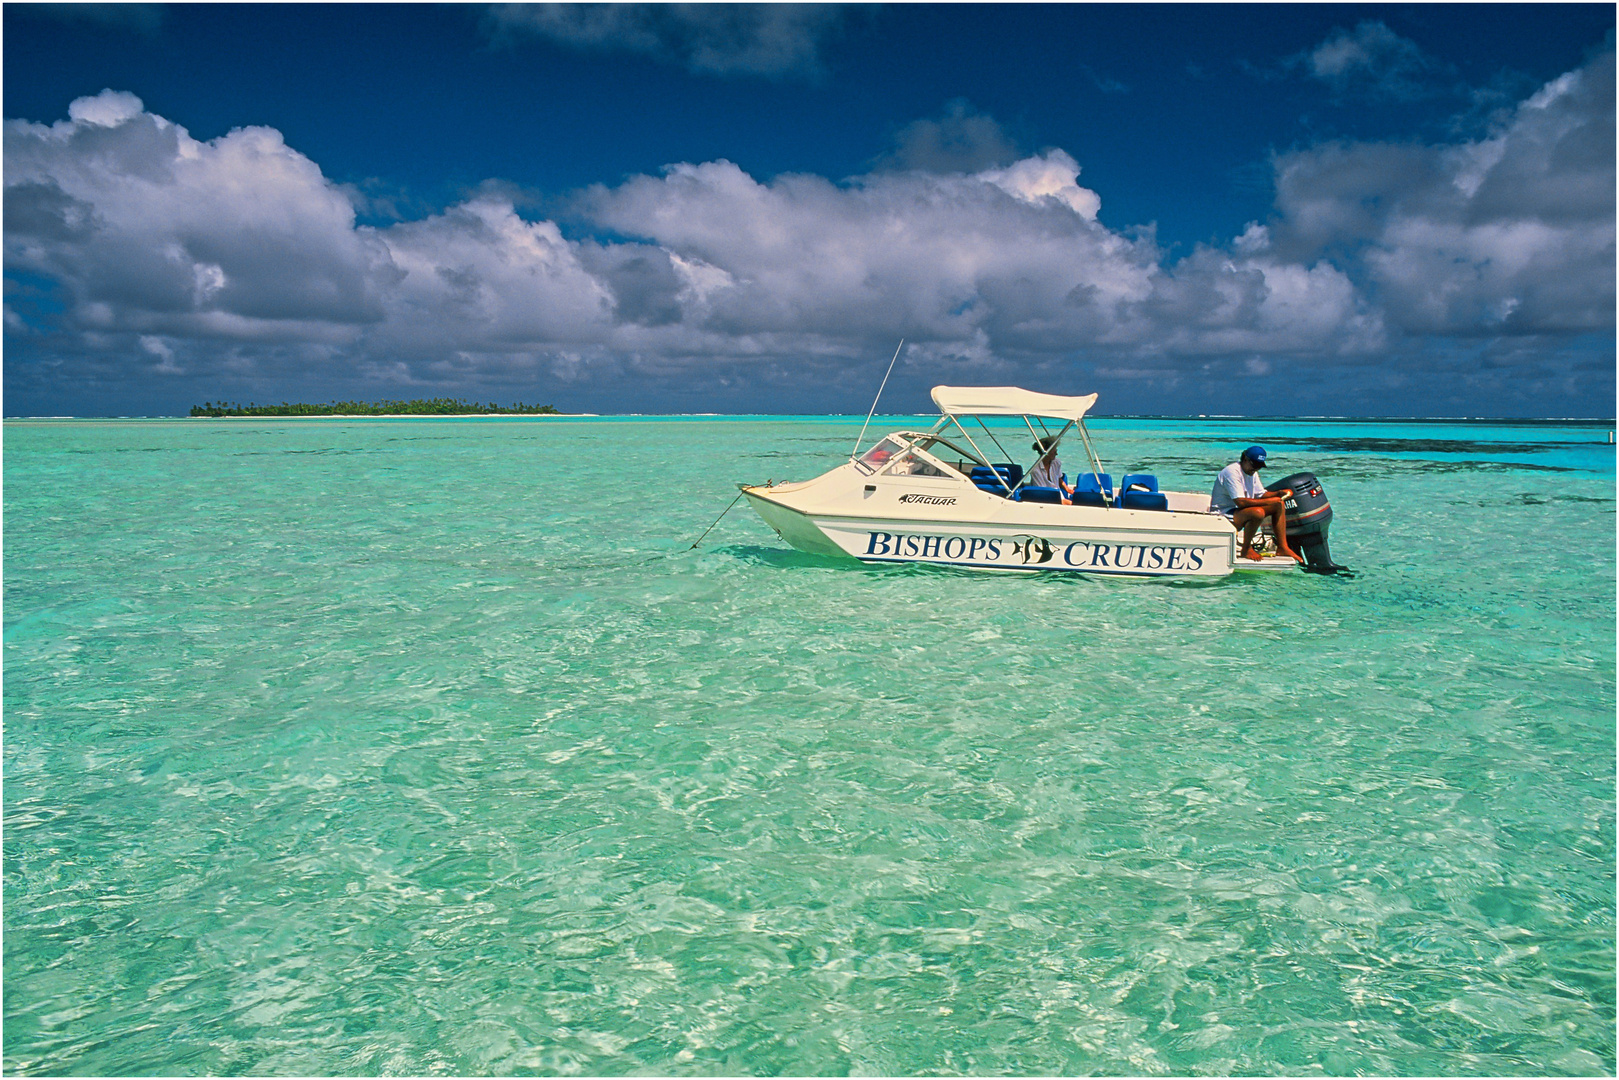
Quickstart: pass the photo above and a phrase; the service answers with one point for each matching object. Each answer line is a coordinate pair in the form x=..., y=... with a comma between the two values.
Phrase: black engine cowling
x=1308, y=515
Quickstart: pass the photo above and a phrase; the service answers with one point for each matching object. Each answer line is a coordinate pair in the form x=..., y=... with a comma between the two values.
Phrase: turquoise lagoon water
x=425, y=746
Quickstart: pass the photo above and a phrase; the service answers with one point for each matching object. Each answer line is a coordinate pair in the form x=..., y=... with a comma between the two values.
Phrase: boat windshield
x=896, y=455
x=950, y=454
x=911, y=463
x=879, y=455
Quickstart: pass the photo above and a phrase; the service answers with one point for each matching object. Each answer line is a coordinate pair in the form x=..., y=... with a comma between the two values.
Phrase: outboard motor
x=1308, y=515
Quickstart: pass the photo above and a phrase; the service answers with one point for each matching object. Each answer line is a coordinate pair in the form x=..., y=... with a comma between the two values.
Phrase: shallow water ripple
x=409, y=747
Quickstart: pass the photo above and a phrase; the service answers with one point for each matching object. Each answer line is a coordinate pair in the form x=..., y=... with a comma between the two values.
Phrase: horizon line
x=1214, y=417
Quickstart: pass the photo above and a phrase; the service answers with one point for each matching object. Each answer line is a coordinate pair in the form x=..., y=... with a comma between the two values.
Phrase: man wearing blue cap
x=1240, y=497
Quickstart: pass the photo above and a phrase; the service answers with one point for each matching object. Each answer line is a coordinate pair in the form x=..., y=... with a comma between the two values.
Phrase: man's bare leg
x=1247, y=519
x=1279, y=527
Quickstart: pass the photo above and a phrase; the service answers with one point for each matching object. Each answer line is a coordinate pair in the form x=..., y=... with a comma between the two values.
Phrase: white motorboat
x=940, y=496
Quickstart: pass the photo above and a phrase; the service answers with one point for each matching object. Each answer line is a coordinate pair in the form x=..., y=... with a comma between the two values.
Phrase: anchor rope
x=727, y=510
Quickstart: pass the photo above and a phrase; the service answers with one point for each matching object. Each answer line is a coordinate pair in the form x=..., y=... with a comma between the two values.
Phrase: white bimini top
x=1009, y=401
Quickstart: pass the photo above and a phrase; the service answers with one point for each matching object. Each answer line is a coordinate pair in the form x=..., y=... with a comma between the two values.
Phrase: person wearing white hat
x=1240, y=497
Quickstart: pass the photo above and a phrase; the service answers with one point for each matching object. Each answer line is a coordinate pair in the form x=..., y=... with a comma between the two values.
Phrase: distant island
x=432, y=407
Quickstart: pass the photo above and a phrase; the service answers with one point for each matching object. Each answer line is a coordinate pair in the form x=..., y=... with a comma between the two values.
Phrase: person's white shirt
x=1046, y=474
x=1233, y=484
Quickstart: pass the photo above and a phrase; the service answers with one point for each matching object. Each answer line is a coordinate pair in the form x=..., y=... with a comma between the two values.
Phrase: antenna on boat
x=861, y=437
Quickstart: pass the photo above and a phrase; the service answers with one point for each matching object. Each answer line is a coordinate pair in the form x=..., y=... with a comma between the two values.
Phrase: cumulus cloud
x=128, y=242
x=962, y=140
x=1054, y=175
x=1371, y=58
x=163, y=352
x=107, y=109
x=1513, y=233
x=772, y=40
x=984, y=261
x=151, y=231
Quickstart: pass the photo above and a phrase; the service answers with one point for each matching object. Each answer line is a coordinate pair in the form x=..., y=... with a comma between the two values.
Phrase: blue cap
x=1255, y=454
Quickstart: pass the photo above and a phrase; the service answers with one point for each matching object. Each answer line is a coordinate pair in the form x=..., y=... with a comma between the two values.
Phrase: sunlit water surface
x=426, y=746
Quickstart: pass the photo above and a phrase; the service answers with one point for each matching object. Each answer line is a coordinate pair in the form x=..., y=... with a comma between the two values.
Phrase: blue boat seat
x=1144, y=500
x=1089, y=490
x=1143, y=481
x=985, y=479
x=1037, y=495
x=1139, y=491
x=1093, y=482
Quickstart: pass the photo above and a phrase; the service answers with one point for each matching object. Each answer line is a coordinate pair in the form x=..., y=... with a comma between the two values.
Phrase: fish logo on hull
x=1032, y=549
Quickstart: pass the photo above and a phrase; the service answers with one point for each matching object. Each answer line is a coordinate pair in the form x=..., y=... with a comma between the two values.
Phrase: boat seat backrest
x=986, y=480
x=1038, y=494
x=1091, y=482
x=1142, y=481
x=1091, y=490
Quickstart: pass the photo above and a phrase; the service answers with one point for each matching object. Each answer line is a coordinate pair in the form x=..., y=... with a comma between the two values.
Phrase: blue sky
x=1367, y=210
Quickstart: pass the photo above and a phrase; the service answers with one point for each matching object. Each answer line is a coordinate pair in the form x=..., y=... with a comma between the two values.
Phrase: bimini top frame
x=956, y=402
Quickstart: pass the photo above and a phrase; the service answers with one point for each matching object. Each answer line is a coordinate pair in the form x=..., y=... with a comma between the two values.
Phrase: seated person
x=1240, y=497
x=1047, y=472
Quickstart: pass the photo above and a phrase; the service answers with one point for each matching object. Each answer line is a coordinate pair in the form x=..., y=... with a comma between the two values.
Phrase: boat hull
x=1026, y=538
